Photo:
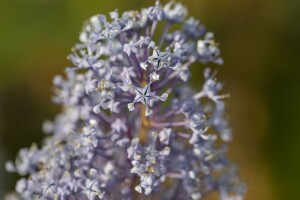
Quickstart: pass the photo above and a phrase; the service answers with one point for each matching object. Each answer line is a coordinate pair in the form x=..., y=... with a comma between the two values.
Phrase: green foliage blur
x=260, y=45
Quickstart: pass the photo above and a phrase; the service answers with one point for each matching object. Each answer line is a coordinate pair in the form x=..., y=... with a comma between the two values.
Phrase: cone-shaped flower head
x=130, y=124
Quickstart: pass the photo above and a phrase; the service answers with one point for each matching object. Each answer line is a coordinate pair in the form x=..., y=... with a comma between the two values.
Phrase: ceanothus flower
x=131, y=126
x=148, y=163
x=175, y=12
x=146, y=97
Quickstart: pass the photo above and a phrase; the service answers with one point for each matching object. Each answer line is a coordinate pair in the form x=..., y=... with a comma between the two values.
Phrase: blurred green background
x=259, y=42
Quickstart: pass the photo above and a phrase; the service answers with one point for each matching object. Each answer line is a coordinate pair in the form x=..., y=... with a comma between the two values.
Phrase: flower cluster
x=130, y=124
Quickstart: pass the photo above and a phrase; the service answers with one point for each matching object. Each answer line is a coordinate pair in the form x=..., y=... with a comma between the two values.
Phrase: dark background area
x=259, y=42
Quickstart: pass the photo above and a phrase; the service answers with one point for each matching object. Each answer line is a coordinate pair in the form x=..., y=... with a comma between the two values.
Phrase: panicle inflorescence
x=130, y=124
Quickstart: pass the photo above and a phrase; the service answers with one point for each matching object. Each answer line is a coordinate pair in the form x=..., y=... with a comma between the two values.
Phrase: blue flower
x=105, y=146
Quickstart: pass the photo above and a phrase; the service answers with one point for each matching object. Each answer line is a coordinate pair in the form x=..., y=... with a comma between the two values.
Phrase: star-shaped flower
x=146, y=97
